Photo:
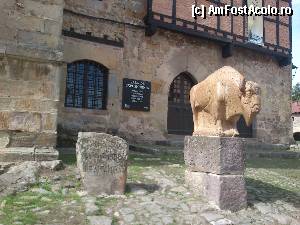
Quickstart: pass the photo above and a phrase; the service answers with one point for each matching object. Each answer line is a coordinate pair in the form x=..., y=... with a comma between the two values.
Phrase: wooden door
x=180, y=117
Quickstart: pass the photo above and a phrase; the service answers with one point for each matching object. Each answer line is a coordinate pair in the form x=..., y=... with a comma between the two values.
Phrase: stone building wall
x=165, y=55
x=160, y=59
x=30, y=61
x=33, y=72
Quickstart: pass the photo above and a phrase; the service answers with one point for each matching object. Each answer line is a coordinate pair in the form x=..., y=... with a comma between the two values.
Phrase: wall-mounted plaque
x=136, y=95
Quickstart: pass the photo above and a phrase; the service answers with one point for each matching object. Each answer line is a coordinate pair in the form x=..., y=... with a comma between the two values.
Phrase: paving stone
x=167, y=219
x=211, y=216
x=45, y=212
x=222, y=222
x=45, y=199
x=129, y=218
x=52, y=165
x=195, y=207
x=184, y=207
x=64, y=191
x=41, y=191
x=263, y=208
x=99, y=220
x=91, y=208
x=179, y=189
x=56, y=178
x=56, y=187
x=69, y=184
x=282, y=219
x=81, y=193
x=29, y=198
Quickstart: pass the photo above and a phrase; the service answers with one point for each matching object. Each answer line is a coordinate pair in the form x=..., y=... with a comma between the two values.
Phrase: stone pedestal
x=102, y=162
x=216, y=170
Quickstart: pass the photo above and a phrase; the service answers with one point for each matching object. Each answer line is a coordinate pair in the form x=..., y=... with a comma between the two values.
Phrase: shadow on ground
x=259, y=191
x=136, y=187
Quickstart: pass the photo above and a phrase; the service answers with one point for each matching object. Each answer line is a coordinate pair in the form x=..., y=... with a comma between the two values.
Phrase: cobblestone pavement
x=156, y=194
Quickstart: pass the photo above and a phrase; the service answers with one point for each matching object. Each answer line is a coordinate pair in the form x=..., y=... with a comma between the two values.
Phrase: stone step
x=250, y=143
x=273, y=154
x=172, y=140
x=155, y=149
x=20, y=154
x=4, y=166
x=265, y=147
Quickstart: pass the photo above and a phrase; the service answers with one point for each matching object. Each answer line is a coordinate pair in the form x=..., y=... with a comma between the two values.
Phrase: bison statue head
x=251, y=101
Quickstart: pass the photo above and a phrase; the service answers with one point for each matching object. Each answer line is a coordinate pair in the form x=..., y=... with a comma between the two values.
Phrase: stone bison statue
x=220, y=100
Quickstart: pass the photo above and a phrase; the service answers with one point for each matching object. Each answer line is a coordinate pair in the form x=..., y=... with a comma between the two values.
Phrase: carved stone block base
x=227, y=192
x=218, y=155
x=215, y=170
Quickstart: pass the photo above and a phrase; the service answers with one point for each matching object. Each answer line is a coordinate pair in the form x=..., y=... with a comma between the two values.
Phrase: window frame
x=85, y=85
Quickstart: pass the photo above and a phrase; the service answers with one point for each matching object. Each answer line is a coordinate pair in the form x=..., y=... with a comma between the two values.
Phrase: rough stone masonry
x=30, y=70
x=102, y=162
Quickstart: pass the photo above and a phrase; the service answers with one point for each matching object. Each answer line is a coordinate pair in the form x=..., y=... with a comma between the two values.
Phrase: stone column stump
x=215, y=170
x=102, y=162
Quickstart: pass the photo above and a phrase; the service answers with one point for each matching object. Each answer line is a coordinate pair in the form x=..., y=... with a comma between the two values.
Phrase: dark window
x=86, y=85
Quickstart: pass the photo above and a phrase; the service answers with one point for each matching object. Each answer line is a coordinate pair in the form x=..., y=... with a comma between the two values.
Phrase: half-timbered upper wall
x=276, y=29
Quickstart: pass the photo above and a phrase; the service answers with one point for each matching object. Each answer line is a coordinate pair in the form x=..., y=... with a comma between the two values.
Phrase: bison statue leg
x=195, y=116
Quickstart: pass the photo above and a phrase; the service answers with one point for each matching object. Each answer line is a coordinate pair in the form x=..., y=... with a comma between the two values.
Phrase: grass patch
x=68, y=159
x=114, y=221
x=25, y=207
x=135, y=173
x=105, y=202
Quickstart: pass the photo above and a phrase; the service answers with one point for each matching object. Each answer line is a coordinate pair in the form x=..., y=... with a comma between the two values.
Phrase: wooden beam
x=150, y=30
x=284, y=61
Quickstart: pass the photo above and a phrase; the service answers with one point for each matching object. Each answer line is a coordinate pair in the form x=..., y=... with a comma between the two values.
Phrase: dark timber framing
x=156, y=20
x=89, y=37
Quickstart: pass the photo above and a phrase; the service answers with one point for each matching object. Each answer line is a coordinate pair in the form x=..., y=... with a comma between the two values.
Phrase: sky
x=296, y=39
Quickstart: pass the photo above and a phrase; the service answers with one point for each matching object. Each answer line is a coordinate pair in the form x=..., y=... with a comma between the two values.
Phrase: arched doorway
x=180, y=116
